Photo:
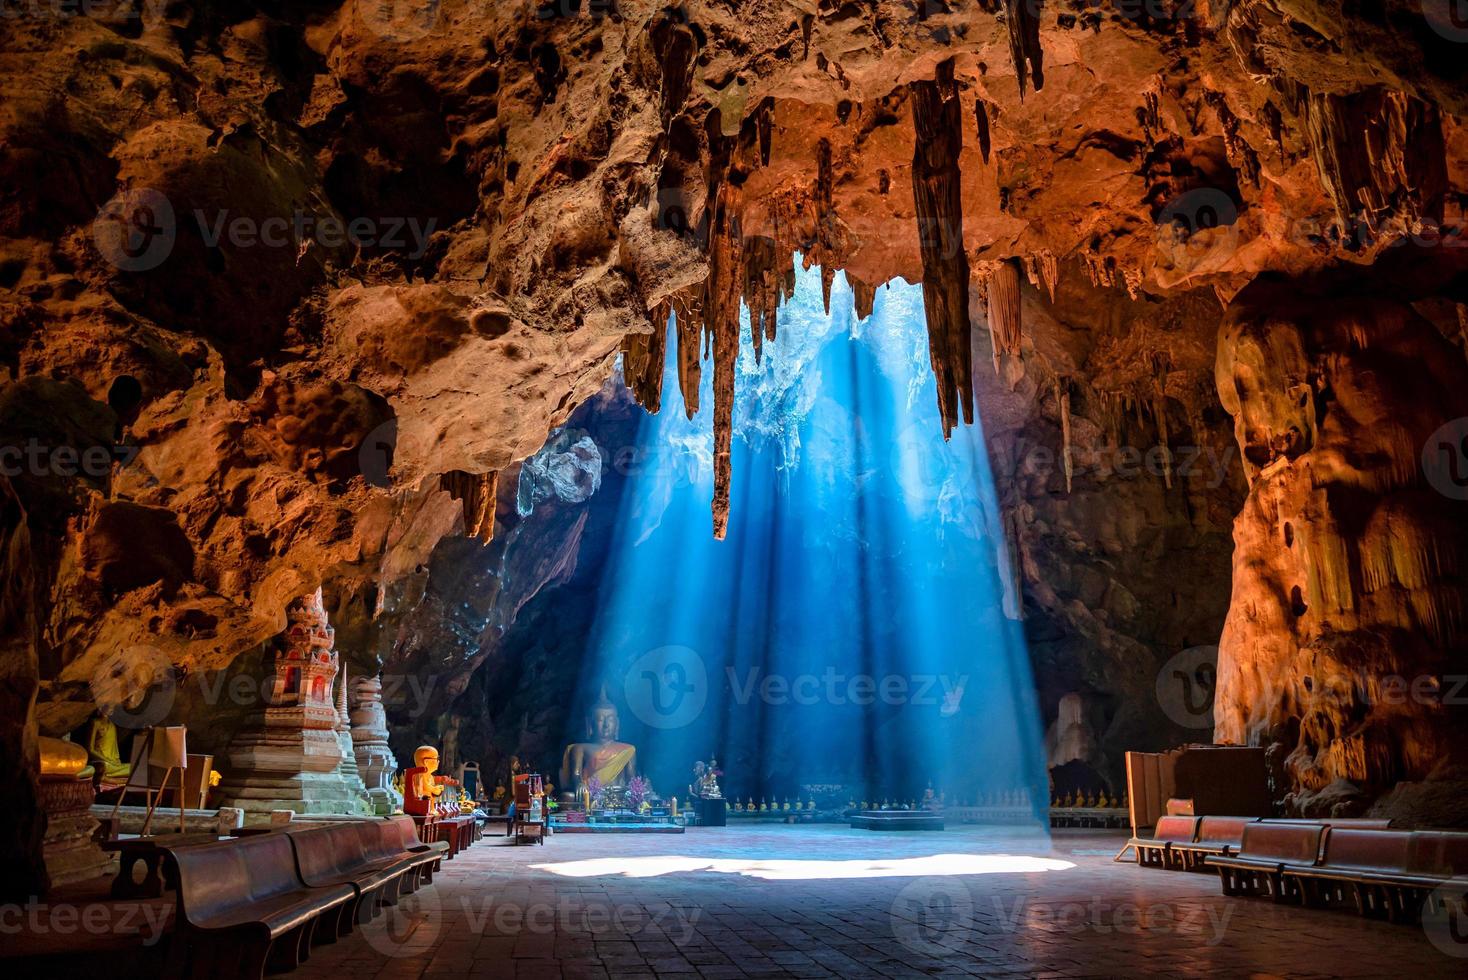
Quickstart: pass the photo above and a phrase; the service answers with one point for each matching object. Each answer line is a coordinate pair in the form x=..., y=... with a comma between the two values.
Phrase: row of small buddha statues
x=1088, y=800
x=749, y=806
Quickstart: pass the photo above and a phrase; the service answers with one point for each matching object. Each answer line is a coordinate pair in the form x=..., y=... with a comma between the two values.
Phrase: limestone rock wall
x=1344, y=644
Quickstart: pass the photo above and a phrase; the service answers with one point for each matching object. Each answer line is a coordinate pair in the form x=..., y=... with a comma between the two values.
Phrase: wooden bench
x=1156, y=851
x=242, y=905
x=1222, y=836
x=1354, y=869
x=150, y=855
x=1356, y=823
x=398, y=836
x=1266, y=850
x=337, y=854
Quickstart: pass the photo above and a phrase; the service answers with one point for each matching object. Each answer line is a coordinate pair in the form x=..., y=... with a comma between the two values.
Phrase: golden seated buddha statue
x=601, y=756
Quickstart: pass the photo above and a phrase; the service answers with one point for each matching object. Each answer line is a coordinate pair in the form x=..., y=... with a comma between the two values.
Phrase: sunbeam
x=852, y=630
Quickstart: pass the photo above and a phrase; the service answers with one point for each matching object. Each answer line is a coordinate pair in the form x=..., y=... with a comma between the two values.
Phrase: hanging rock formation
x=937, y=143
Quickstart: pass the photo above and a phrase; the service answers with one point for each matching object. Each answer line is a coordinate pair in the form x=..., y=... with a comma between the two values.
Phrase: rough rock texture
x=529, y=188
x=1344, y=642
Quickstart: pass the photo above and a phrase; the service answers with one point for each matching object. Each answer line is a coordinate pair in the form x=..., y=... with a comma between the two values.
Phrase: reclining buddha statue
x=601, y=756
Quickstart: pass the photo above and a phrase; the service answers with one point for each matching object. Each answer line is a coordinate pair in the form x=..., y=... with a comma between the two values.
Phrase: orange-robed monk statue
x=421, y=784
x=613, y=763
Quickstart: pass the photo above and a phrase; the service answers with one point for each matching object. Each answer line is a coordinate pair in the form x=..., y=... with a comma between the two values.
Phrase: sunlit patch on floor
x=776, y=869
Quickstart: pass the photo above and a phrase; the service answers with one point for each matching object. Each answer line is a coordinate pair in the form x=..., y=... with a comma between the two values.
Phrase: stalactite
x=1062, y=398
x=981, y=118
x=1023, y=20
x=1004, y=319
x=1043, y=269
x=1132, y=278
x=1240, y=153
x=1160, y=410
x=476, y=492
x=643, y=355
x=764, y=116
x=1377, y=152
x=1013, y=529
x=828, y=276
x=686, y=321
x=863, y=297
x=938, y=132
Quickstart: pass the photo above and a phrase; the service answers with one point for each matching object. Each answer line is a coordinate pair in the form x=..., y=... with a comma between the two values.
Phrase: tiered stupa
x=375, y=761
x=290, y=757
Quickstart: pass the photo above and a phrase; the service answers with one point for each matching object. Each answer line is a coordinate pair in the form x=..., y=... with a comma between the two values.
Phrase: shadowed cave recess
x=1103, y=372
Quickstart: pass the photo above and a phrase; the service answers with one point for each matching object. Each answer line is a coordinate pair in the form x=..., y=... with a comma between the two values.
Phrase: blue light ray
x=851, y=628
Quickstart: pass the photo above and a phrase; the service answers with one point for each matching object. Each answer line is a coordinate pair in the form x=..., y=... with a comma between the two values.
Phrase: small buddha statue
x=601, y=756
x=422, y=784
x=102, y=749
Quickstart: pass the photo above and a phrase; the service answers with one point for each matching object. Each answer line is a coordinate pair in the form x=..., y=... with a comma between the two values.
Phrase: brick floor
x=504, y=911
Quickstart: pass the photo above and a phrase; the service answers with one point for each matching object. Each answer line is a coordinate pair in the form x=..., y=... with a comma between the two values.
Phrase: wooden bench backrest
x=327, y=853
x=387, y=838
x=401, y=831
x=214, y=879
x=1291, y=843
x=1368, y=849
x=1438, y=852
x=1223, y=830
x=1176, y=829
x=1358, y=823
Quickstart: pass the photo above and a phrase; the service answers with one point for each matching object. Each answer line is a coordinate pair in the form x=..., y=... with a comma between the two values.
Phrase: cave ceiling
x=1084, y=190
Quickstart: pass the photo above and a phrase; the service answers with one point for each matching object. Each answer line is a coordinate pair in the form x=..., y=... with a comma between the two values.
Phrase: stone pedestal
x=290, y=757
x=70, y=852
x=375, y=761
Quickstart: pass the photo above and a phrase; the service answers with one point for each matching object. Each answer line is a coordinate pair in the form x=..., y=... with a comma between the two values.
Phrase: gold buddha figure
x=611, y=762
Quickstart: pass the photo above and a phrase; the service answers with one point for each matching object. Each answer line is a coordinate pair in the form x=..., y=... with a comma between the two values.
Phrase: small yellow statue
x=103, y=751
x=423, y=785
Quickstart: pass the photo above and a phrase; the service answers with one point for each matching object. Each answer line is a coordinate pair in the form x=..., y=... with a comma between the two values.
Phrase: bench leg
x=252, y=960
